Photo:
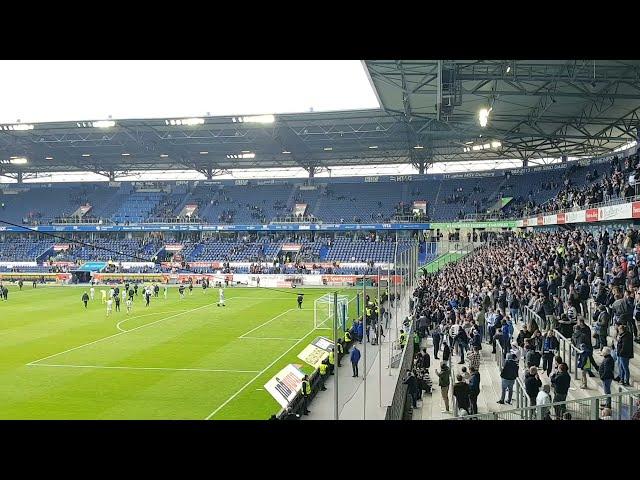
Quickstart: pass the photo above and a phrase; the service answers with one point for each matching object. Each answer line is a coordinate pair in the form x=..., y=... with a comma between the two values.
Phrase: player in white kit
x=129, y=303
x=166, y=291
x=92, y=293
x=109, y=305
x=221, y=294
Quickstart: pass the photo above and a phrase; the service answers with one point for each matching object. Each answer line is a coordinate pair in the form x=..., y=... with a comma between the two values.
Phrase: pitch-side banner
x=615, y=212
x=285, y=384
x=622, y=211
x=316, y=351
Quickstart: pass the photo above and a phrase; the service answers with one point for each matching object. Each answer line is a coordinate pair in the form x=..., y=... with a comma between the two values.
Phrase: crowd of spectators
x=482, y=296
x=618, y=182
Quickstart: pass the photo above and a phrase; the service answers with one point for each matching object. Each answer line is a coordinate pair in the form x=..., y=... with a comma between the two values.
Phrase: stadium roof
x=539, y=109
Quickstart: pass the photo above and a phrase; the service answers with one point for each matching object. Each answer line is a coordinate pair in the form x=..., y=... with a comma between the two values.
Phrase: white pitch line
x=144, y=368
x=265, y=323
x=140, y=316
x=257, y=376
x=268, y=338
x=119, y=333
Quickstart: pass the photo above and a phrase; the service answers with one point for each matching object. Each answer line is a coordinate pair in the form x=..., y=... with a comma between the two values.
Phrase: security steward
x=347, y=341
x=340, y=350
x=306, y=394
x=332, y=361
x=324, y=372
x=403, y=339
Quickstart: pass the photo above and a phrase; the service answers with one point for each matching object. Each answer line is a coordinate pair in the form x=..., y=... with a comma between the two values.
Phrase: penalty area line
x=119, y=333
x=257, y=376
x=126, y=319
x=244, y=335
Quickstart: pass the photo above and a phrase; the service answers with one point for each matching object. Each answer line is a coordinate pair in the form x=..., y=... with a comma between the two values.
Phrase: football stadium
x=342, y=240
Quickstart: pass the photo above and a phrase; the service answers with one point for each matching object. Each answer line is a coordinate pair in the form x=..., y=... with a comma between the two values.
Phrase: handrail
x=454, y=402
x=583, y=408
x=522, y=399
x=573, y=351
x=565, y=344
x=615, y=201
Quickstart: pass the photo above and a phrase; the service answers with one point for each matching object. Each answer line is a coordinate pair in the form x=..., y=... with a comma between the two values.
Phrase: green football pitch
x=176, y=359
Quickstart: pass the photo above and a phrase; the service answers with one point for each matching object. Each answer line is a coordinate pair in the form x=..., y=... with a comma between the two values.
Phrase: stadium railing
x=624, y=404
x=565, y=344
x=400, y=408
x=606, y=203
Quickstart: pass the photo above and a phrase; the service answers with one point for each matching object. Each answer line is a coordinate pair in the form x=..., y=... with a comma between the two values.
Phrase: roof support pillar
x=112, y=176
x=312, y=171
x=563, y=159
x=525, y=162
x=19, y=177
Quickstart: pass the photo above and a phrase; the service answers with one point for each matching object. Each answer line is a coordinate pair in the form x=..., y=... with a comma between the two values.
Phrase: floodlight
x=104, y=124
x=483, y=116
x=259, y=119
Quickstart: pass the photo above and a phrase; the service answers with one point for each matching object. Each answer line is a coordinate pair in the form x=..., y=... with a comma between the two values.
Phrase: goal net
x=324, y=311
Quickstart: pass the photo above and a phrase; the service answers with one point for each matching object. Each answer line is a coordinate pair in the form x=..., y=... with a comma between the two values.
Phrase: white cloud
x=55, y=90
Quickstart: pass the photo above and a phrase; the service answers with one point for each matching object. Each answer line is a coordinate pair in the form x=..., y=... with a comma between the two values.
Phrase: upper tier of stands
x=339, y=200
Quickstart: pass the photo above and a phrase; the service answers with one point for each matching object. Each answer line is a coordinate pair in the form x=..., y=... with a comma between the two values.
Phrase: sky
x=35, y=91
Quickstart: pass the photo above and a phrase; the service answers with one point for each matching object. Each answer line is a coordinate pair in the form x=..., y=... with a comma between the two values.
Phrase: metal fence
x=623, y=405
x=567, y=350
x=400, y=408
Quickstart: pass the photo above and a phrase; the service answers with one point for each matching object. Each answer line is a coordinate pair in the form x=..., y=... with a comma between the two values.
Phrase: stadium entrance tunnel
x=80, y=276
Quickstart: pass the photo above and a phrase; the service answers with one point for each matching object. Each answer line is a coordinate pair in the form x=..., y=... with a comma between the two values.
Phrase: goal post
x=324, y=311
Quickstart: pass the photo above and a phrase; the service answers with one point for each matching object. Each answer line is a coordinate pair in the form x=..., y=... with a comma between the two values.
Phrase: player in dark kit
x=135, y=289
x=85, y=299
x=116, y=298
x=130, y=293
x=300, y=299
x=20, y=284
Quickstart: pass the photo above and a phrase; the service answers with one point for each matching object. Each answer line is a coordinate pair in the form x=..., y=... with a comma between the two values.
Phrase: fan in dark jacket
x=424, y=360
x=532, y=384
x=606, y=372
x=531, y=356
x=412, y=387
x=461, y=393
x=508, y=374
x=560, y=381
x=624, y=349
x=549, y=347
x=474, y=390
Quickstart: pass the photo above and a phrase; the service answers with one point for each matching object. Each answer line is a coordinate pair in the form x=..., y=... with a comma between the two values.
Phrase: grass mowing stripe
x=266, y=323
x=144, y=368
x=257, y=376
x=120, y=333
x=140, y=316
